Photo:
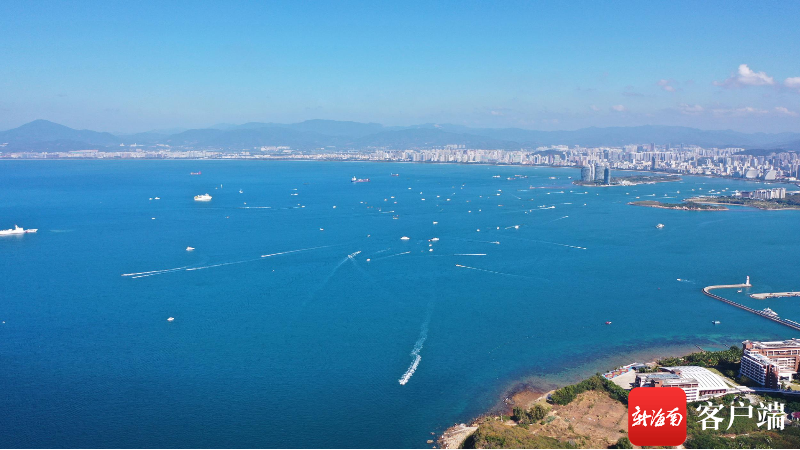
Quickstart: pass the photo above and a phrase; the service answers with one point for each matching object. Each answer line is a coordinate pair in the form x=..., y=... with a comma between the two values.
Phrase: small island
x=684, y=206
x=630, y=181
x=774, y=204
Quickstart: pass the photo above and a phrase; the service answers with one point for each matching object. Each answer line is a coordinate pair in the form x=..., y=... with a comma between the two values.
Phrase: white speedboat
x=17, y=230
x=202, y=198
x=189, y=249
x=660, y=226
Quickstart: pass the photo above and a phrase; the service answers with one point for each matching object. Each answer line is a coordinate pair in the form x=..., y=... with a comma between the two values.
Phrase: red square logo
x=657, y=416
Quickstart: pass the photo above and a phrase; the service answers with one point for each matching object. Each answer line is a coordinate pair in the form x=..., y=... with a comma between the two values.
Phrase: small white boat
x=156, y=198
x=202, y=198
x=241, y=192
x=715, y=322
x=17, y=230
x=188, y=249
x=170, y=319
x=405, y=238
x=660, y=226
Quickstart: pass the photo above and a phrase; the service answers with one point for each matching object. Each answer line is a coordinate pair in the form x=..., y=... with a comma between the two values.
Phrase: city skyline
x=544, y=66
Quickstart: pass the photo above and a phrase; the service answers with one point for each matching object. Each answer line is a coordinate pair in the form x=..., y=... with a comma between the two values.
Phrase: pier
x=768, y=295
x=767, y=315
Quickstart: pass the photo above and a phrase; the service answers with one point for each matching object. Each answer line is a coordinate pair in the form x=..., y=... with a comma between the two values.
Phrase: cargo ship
x=359, y=180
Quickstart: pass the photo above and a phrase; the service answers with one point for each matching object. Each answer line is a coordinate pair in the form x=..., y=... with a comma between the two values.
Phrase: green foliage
x=535, y=414
x=623, y=442
x=567, y=394
x=492, y=434
x=745, y=431
x=722, y=360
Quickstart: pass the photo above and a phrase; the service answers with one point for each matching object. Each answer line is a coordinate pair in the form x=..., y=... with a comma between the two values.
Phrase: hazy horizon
x=126, y=68
x=222, y=125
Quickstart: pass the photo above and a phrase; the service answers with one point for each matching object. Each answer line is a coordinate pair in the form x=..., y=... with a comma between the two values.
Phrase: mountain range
x=43, y=135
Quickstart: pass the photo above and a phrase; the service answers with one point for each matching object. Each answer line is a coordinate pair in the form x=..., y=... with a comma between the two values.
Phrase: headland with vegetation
x=790, y=202
x=593, y=414
x=684, y=206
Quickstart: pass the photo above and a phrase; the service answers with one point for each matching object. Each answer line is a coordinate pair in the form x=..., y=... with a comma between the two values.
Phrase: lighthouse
x=747, y=283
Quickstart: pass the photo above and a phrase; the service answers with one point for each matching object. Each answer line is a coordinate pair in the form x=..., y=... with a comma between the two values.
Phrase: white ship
x=17, y=230
x=660, y=226
x=202, y=198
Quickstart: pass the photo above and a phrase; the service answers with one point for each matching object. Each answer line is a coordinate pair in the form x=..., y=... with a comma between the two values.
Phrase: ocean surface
x=301, y=319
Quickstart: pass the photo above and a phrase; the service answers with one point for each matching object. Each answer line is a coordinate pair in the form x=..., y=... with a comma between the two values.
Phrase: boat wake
x=490, y=271
x=551, y=243
x=295, y=251
x=392, y=256
x=423, y=335
x=151, y=273
x=222, y=264
x=563, y=245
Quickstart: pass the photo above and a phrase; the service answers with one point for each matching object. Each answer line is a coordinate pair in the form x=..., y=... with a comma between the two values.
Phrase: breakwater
x=767, y=314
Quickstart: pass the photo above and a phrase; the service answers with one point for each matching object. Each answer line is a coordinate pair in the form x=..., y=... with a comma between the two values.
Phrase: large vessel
x=359, y=180
x=17, y=230
x=202, y=198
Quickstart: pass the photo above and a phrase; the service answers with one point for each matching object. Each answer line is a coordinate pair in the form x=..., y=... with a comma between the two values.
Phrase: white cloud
x=792, y=83
x=594, y=108
x=691, y=109
x=665, y=85
x=786, y=111
x=618, y=108
x=746, y=77
x=496, y=113
x=743, y=111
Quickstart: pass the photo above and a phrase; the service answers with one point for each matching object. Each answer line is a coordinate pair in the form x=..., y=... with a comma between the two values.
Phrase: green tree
x=623, y=442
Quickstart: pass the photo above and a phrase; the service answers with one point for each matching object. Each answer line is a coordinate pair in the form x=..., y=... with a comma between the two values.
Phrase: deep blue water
x=305, y=349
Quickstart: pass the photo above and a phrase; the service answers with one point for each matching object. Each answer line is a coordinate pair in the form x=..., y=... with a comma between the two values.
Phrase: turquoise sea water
x=306, y=347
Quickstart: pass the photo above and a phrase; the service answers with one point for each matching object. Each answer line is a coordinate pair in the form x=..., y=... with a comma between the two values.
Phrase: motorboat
x=17, y=230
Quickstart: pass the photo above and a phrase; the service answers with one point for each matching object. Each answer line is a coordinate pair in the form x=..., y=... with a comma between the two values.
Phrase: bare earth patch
x=592, y=420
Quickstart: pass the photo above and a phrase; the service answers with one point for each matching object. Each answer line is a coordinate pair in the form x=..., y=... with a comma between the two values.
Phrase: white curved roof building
x=698, y=383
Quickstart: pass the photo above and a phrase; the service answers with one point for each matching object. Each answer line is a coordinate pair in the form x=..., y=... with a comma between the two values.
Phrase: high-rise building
x=587, y=173
x=598, y=172
x=607, y=176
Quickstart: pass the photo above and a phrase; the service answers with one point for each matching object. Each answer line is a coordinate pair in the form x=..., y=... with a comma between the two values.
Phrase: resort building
x=698, y=383
x=764, y=194
x=769, y=363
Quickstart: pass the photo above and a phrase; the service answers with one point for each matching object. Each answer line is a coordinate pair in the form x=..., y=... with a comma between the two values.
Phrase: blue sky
x=135, y=66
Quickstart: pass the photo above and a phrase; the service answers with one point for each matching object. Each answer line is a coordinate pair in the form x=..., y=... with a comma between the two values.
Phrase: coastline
x=705, y=201
x=526, y=391
x=677, y=206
